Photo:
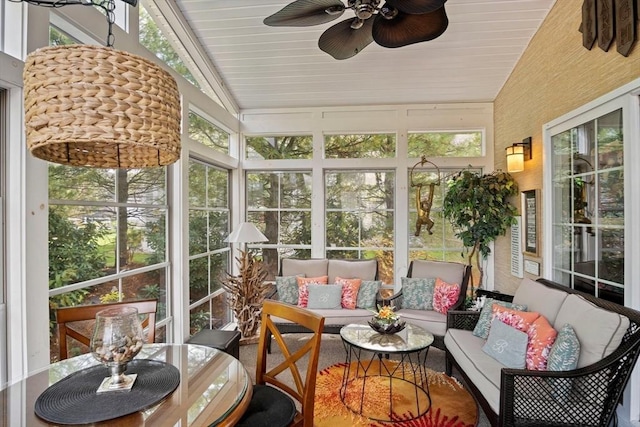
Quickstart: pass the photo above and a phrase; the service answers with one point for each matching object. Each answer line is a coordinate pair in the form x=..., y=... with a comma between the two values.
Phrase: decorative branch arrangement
x=246, y=292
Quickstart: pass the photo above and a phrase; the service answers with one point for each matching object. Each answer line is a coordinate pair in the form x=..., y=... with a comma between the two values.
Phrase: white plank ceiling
x=281, y=67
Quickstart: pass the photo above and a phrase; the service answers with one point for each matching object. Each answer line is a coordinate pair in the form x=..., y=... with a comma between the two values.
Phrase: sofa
x=430, y=319
x=589, y=373
x=336, y=318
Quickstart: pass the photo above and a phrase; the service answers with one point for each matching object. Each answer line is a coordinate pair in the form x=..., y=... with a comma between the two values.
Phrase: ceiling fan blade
x=342, y=42
x=304, y=13
x=416, y=7
x=405, y=29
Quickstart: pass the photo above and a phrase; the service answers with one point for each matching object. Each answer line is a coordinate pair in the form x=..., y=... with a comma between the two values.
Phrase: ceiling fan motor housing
x=364, y=9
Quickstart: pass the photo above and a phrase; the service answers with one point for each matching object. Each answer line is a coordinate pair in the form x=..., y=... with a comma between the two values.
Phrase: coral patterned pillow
x=541, y=338
x=521, y=320
x=444, y=295
x=303, y=291
x=349, y=291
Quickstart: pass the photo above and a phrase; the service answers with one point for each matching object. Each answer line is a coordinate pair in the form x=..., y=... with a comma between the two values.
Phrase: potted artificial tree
x=479, y=209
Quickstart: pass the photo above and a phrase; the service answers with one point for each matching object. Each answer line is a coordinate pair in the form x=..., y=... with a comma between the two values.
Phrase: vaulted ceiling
x=280, y=67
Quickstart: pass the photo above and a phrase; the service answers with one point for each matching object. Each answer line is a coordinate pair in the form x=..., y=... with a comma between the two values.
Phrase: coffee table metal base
x=410, y=368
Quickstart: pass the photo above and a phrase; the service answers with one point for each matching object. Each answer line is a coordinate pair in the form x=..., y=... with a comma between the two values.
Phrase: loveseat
x=337, y=317
x=453, y=273
x=582, y=388
x=366, y=270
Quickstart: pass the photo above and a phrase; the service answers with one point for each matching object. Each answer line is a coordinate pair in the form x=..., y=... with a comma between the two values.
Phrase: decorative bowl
x=387, y=328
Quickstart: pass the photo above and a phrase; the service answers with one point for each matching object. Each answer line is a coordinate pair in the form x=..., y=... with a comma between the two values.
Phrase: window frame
x=625, y=98
x=209, y=252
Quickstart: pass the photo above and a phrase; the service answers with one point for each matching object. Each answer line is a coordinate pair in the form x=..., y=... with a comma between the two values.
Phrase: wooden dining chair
x=272, y=403
x=88, y=312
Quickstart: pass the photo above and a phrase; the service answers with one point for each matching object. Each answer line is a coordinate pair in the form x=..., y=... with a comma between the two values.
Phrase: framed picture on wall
x=530, y=216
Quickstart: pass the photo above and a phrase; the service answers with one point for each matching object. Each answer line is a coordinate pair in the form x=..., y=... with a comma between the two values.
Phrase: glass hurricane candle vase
x=116, y=340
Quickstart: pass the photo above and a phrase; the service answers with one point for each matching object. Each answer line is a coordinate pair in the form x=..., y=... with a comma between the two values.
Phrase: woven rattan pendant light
x=100, y=107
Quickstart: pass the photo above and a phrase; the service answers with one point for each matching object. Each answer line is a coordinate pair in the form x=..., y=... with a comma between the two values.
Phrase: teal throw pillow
x=563, y=356
x=507, y=345
x=417, y=293
x=324, y=296
x=367, y=294
x=484, y=321
x=287, y=287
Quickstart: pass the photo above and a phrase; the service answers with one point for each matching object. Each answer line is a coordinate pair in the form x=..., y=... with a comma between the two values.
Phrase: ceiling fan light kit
x=395, y=23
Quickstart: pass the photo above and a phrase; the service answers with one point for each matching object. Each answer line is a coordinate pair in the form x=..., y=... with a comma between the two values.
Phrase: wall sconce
x=517, y=154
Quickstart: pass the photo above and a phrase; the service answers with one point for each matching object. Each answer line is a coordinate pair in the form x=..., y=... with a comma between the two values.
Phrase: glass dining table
x=214, y=389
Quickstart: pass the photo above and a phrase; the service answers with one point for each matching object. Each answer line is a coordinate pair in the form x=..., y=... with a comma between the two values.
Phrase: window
x=206, y=133
x=279, y=147
x=588, y=206
x=57, y=37
x=445, y=144
x=359, y=212
x=374, y=146
x=208, y=252
x=279, y=204
x=107, y=237
x=153, y=39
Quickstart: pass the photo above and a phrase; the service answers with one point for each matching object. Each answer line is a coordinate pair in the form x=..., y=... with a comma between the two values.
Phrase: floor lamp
x=247, y=290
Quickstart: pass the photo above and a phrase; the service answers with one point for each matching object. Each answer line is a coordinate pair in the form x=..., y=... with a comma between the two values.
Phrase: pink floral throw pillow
x=444, y=295
x=349, y=291
x=303, y=291
x=541, y=338
x=521, y=320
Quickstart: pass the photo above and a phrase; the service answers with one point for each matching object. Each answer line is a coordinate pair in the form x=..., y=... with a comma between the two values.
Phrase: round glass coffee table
x=398, y=357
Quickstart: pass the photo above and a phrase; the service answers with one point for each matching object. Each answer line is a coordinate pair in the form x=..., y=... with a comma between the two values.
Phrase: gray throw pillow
x=324, y=296
x=287, y=287
x=507, y=345
x=484, y=321
x=417, y=293
x=367, y=294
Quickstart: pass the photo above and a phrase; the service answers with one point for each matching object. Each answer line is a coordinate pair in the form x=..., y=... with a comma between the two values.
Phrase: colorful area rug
x=451, y=404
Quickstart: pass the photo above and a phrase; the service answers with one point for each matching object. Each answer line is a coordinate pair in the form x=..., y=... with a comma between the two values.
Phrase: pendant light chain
x=109, y=8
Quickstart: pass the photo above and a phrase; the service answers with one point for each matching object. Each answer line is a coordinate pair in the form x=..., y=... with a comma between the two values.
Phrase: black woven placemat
x=73, y=400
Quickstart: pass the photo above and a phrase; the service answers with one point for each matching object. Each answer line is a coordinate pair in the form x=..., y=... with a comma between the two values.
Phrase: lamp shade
x=515, y=158
x=100, y=107
x=246, y=232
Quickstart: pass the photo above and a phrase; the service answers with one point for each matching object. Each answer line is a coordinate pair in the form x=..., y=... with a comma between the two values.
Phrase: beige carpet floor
x=331, y=352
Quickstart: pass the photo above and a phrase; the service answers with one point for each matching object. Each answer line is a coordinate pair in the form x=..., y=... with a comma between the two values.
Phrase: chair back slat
x=304, y=390
x=80, y=313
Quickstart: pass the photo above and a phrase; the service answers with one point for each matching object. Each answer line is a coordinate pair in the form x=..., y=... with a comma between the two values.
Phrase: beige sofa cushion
x=450, y=272
x=308, y=267
x=483, y=370
x=540, y=298
x=599, y=331
x=347, y=269
x=341, y=316
x=429, y=320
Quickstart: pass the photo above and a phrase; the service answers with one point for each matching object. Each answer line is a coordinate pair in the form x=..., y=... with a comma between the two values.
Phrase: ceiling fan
x=396, y=23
